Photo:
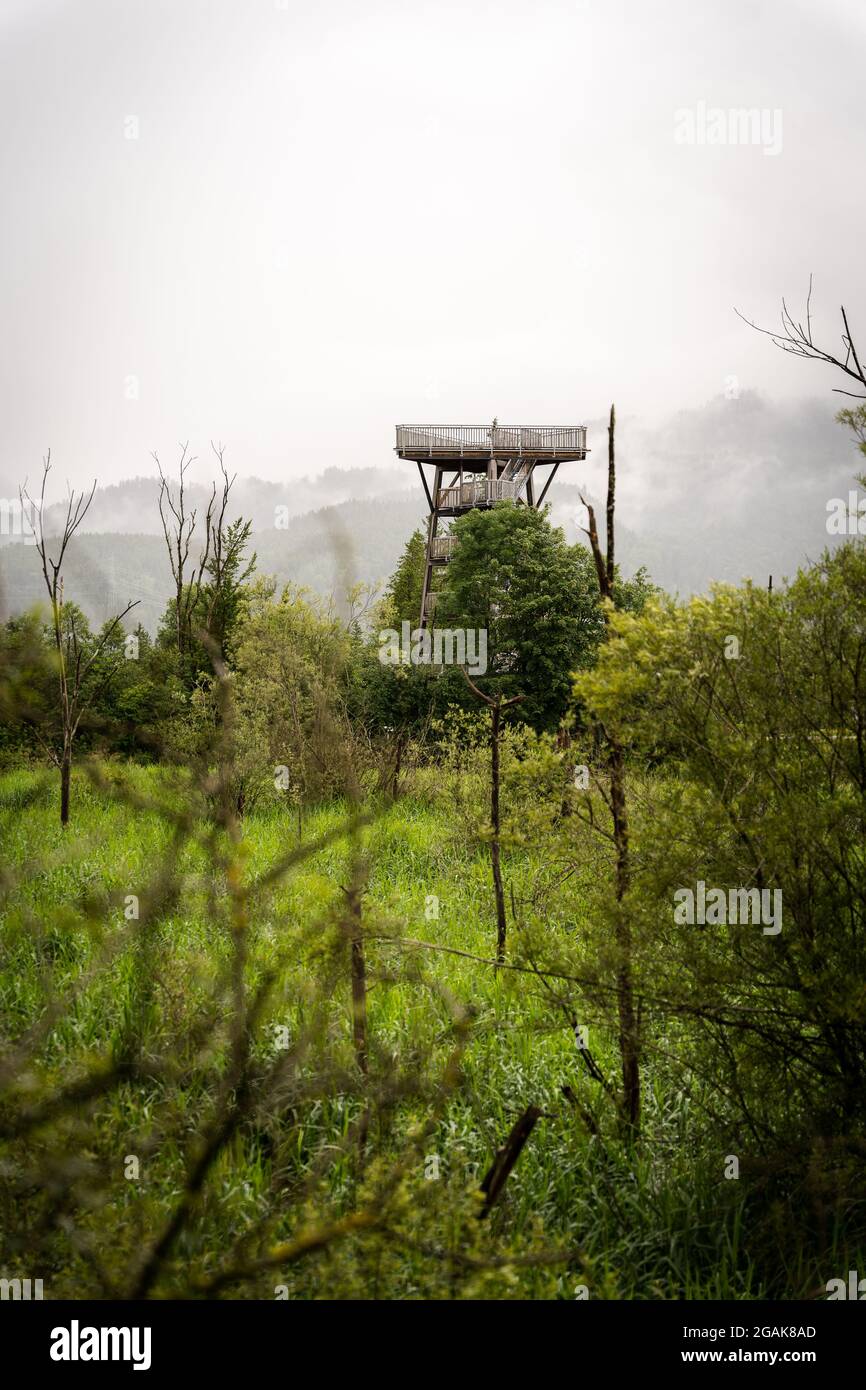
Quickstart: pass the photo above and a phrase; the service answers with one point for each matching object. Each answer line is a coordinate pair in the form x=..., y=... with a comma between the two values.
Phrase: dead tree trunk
x=496, y=706
x=506, y=1157
x=398, y=763
x=627, y=1014
x=178, y=527
x=495, y=713
x=65, y=782
x=358, y=967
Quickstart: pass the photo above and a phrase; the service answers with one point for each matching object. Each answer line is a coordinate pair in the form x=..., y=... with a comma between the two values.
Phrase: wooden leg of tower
x=428, y=558
x=550, y=477
x=530, y=492
x=428, y=569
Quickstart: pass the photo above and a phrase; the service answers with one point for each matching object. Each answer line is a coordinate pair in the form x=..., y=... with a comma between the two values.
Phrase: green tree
x=404, y=588
x=397, y=701
x=137, y=695
x=203, y=614
x=292, y=678
x=215, y=610
x=223, y=597
x=760, y=700
x=514, y=574
x=28, y=682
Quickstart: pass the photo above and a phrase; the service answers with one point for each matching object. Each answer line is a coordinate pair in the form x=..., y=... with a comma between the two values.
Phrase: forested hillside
x=727, y=492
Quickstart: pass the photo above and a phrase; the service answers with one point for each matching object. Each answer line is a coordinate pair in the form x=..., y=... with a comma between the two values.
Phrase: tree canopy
x=537, y=596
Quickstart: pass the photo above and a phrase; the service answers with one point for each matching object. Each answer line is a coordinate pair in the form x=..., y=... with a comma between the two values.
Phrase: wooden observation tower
x=490, y=463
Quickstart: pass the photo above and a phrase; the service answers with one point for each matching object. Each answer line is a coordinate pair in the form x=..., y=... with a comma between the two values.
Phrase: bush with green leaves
x=292, y=681
x=514, y=575
x=760, y=703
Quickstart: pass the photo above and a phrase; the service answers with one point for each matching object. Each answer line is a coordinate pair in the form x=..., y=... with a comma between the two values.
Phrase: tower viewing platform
x=489, y=464
x=479, y=443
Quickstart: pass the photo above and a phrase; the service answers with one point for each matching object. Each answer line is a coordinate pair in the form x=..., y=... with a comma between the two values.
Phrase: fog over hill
x=736, y=488
x=132, y=507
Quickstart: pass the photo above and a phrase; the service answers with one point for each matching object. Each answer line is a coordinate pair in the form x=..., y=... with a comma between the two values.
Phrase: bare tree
x=74, y=665
x=616, y=799
x=178, y=527
x=795, y=337
x=225, y=548
x=218, y=559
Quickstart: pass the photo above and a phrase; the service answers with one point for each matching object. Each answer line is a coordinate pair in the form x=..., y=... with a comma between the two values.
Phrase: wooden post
x=355, y=932
x=506, y=1156
x=496, y=705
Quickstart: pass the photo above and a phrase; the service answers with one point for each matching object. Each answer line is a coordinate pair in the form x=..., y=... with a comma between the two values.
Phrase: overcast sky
x=290, y=226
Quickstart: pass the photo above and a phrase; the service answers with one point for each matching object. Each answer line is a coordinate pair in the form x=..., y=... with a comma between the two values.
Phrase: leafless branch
x=792, y=337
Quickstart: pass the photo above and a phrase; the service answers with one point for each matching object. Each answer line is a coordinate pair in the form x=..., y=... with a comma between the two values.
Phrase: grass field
x=581, y=1210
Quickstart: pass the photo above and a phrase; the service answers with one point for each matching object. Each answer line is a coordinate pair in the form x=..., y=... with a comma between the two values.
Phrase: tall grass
x=582, y=1210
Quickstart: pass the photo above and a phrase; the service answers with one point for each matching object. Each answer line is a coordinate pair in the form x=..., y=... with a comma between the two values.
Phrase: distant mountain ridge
x=131, y=507
x=738, y=487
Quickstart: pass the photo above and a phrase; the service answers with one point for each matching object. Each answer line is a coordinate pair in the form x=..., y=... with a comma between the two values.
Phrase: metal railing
x=455, y=440
x=479, y=494
x=430, y=605
x=442, y=547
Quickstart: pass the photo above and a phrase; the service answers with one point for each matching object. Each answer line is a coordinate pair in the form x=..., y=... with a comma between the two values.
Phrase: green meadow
x=582, y=1214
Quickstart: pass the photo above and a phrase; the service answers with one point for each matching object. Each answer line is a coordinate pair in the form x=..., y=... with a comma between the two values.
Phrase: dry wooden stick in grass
x=506, y=1157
